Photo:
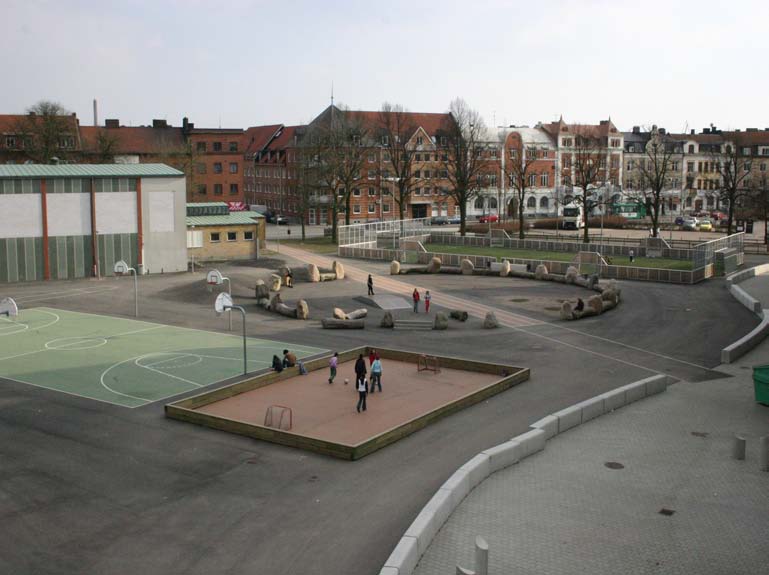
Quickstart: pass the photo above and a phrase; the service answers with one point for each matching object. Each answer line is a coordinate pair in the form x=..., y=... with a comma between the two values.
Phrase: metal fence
x=387, y=234
x=704, y=254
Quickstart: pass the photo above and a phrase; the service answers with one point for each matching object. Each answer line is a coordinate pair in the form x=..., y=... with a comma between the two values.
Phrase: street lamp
x=122, y=268
x=214, y=278
x=224, y=303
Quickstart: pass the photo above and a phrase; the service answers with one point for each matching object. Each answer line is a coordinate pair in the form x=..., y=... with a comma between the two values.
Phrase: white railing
x=391, y=232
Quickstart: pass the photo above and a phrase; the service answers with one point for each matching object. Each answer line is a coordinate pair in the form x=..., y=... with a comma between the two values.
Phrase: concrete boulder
x=261, y=290
x=434, y=266
x=338, y=269
x=567, y=310
x=541, y=272
x=441, y=321
x=387, y=320
x=594, y=303
x=504, y=271
x=490, y=321
x=458, y=315
x=313, y=273
x=357, y=314
x=339, y=313
x=275, y=282
x=571, y=274
x=467, y=267
x=302, y=310
x=395, y=268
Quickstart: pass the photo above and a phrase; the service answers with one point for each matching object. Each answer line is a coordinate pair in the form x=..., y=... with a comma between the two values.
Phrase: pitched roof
x=233, y=218
x=430, y=122
x=603, y=129
x=9, y=122
x=135, y=140
x=88, y=171
x=284, y=138
x=257, y=137
x=752, y=138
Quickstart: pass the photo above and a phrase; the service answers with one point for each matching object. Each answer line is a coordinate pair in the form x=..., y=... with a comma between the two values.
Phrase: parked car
x=488, y=219
x=455, y=220
x=717, y=216
x=280, y=220
x=439, y=221
x=679, y=221
x=705, y=225
x=689, y=223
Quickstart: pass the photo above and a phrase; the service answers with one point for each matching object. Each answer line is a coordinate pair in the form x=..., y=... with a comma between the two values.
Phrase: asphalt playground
x=92, y=487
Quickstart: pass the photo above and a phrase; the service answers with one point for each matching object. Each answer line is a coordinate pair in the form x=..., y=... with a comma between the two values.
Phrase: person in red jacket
x=415, y=297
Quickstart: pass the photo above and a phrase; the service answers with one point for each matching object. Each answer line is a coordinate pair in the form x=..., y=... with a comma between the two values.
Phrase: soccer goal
x=279, y=417
x=428, y=363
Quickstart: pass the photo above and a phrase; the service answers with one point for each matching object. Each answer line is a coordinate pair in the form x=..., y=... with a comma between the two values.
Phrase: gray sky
x=242, y=63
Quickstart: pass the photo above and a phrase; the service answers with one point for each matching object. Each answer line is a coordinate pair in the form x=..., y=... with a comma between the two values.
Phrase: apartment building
x=64, y=142
x=217, y=163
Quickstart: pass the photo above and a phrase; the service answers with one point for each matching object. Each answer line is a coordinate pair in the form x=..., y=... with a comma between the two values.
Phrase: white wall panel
x=69, y=214
x=21, y=216
x=116, y=213
x=162, y=211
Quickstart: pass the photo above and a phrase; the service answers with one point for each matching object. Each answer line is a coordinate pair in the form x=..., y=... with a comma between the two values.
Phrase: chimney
x=112, y=123
x=185, y=123
x=636, y=129
x=159, y=124
x=705, y=130
x=663, y=131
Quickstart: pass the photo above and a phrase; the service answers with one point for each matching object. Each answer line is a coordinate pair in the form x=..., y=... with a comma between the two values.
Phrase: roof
x=603, y=129
x=233, y=219
x=284, y=138
x=88, y=171
x=134, y=140
x=257, y=137
x=529, y=136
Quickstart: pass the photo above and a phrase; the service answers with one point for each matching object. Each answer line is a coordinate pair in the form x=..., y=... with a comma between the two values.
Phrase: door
x=311, y=216
x=418, y=211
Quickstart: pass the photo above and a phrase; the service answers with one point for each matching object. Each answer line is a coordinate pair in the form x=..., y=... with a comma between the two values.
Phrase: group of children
x=289, y=360
x=362, y=386
x=415, y=296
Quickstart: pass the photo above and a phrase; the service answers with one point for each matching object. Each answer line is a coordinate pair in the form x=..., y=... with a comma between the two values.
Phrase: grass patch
x=662, y=263
x=318, y=245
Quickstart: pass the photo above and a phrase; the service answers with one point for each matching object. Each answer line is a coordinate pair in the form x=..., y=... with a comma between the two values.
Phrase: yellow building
x=214, y=233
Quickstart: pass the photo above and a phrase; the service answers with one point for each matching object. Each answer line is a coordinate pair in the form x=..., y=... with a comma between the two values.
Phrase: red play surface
x=327, y=412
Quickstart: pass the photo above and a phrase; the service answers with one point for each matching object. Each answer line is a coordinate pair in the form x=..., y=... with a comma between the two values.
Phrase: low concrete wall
x=743, y=345
x=417, y=538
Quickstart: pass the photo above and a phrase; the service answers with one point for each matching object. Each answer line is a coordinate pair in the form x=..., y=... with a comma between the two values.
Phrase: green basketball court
x=123, y=361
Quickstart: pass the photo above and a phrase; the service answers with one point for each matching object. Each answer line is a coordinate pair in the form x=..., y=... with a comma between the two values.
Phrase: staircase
x=413, y=324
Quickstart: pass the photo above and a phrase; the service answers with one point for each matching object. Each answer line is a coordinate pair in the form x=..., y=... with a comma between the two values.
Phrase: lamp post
x=224, y=303
x=122, y=268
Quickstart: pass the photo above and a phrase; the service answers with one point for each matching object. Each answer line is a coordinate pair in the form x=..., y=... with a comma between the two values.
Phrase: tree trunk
x=347, y=201
x=520, y=219
x=334, y=218
x=586, y=237
x=655, y=217
x=730, y=218
x=302, y=219
x=462, y=218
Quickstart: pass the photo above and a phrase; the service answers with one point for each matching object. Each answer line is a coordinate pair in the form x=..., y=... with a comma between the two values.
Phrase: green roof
x=234, y=219
x=88, y=171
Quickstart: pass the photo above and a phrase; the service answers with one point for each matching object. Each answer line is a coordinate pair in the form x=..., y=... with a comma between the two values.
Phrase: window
x=233, y=167
x=745, y=151
x=426, y=174
x=248, y=236
x=386, y=208
x=567, y=142
x=544, y=203
x=531, y=202
x=10, y=142
x=217, y=189
x=355, y=192
x=194, y=239
x=371, y=158
x=202, y=189
x=543, y=180
x=615, y=143
x=630, y=165
x=201, y=146
x=615, y=162
x=689, y=166
x=200, y=168
x=420, y=140
x=233, y=189
x=356, y=209
x=532, y=180
x=494, y=153
x=492, y=203
x=691, y=148
x=386, y=156
x=385, y=141
x=371, y=208
x=372, y=174
x=232, y=236
x=746, y=166
x=417, y=191
x=493, y=180
x=233, y=146
x=417, y=173
x=417, y=157
x=217, y=167
x=67, y=142
x=215, y=237
x=479, y=203
x=372, y=191
x=217, y=146
x=675, y=166
x=762, y=167
x=444, y=141
x=513, y=153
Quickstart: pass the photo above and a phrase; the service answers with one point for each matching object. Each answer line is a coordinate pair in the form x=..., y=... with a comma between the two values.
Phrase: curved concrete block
x=388, y=571
x=592, y=408
x=549, y=424
x=477, y=469
x=635, y=391
x=504, y=455
x=745, y=299
x=656, y=384
x=530, y=442
x=614, y=399
x=458, y=485
x=430, y=520
x=569, y=417
x=404, y=557
x=743, y=345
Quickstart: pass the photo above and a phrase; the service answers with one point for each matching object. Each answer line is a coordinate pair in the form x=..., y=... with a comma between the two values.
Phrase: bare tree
x=653, y=173
x=518, y=168
x=589, y=170
x=462, y=160
x=306, y=178
x=734, y=176
x=395, y=129
x=46, y=133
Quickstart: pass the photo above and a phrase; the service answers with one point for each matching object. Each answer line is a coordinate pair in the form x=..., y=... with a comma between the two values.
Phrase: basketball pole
x=229, y=308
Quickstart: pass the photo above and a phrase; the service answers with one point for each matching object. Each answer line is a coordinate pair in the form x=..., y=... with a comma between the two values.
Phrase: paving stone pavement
x=563, y=511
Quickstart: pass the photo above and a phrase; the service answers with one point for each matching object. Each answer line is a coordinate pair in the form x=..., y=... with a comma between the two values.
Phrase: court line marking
x=72, y=346
x=36, y=328
x=4, y=330
x=108, y=388
x=79, y=293
x=136, y=362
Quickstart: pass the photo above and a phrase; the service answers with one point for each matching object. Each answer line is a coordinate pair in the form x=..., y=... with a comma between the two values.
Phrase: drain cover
x=614, y=465
x=667, y=512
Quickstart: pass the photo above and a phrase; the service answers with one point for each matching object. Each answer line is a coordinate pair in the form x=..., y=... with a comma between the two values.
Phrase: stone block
x=592, y=408
x=567, y=311
x=387, y=320
x=571, y=274
x=530, y=442
x=313, y=273
x=302, y=310
x=541, y=272
x=405, y=556
x=614, y=399
x=656, y=384
x=441, y=321
x=440, y=504
x=490, y=321
x=549, y=424
x=434, y=266
x=635, y=391
x=467, y=267
x=595, y=303
x=338, y=269
x=458, y=485
x=357, y=313
x=261, y=290
x=275, y=282
x=395, y=268
x=339, y=313
x=569, y=417
x=478, y=469
x=458, y=315
x=430, y=520
x=504, y=455
x=388, y=571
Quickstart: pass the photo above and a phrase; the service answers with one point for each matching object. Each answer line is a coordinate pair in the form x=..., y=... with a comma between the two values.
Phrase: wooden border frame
x=187, y=409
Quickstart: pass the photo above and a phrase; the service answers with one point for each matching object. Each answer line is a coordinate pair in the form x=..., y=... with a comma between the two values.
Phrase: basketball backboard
x=214, y=278
x=121, y=268
x=222, y=303
x=8, y=307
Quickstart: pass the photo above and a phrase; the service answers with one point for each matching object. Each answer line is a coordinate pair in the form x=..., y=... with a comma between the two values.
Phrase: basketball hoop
x=121, y=268
x=8, y=307
x=214, y=278
x=223, y=303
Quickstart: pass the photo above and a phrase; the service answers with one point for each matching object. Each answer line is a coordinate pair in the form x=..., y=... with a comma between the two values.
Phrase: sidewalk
x=563, y=511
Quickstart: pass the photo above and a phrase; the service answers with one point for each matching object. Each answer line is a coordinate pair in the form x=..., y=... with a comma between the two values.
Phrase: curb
x=737, y=349
x=417, y=538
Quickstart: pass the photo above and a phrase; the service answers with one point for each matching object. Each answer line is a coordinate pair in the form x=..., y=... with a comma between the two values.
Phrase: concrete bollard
x=481, y=559
x=738, y=447
x=763, y=453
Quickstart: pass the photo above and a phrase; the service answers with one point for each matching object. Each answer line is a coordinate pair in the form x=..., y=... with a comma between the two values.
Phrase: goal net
x=279, y=417
x=428, y=363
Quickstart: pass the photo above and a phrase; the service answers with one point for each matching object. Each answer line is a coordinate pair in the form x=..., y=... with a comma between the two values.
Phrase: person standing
x=415, y=297
x=428, y=297
x=370, y=284
x=372, y=355
x=332, y=365
x=360, y=369
x=631, y=253
x=361, y=387
x=376, y=374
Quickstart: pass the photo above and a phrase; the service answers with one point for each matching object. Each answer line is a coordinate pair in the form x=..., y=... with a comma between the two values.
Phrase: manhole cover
x=700, y=433
x=667, y=512
x=614, y=465
x=519, y=299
